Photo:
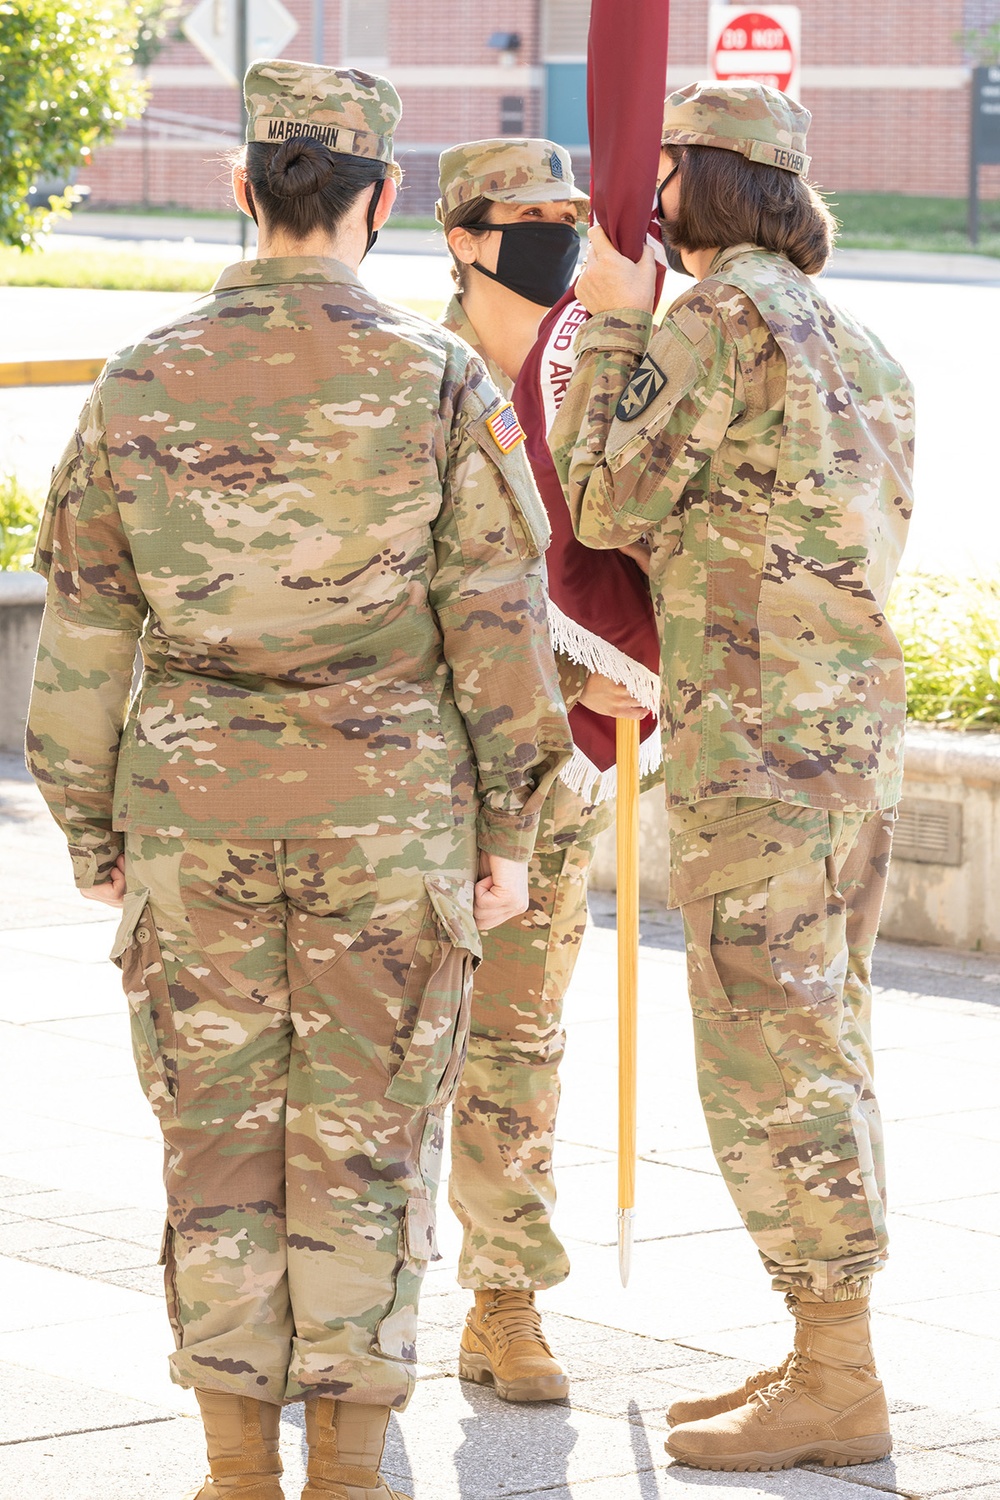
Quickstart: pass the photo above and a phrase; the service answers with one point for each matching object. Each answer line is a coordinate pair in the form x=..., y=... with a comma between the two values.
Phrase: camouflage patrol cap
x=347, y=111
x=751, y=118
x=510, y=170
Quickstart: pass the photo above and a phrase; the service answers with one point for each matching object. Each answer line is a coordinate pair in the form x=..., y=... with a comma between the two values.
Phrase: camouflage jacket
x=572, y=677
x=292, y=494
x=763, y=443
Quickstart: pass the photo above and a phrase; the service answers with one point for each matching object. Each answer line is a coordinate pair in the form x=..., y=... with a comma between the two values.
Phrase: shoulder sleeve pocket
x=497, y=431
x=666, y=374
x=57, y=529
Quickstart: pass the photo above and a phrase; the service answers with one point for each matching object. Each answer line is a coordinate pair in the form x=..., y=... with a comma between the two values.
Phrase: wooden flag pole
x=627, y=829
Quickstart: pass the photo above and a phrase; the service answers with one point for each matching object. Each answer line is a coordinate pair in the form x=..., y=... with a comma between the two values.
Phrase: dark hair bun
x=299, y=167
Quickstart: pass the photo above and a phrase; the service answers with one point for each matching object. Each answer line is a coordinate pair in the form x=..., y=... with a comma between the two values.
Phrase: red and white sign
x=761, y=45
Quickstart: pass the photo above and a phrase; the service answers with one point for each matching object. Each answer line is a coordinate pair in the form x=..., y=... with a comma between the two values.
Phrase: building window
x=512, y=114
x=566, y=23
x=365, y=37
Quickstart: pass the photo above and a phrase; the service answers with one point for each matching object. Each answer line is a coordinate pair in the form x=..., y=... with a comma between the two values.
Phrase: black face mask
x=669, y=249
x=536, y=261
x=373, y=204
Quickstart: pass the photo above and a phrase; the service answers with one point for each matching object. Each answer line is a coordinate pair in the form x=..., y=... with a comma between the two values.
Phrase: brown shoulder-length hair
x=726, y=199
x=469, y=216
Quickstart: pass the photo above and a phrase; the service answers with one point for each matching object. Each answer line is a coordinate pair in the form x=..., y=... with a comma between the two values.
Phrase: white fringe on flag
x=597, y=655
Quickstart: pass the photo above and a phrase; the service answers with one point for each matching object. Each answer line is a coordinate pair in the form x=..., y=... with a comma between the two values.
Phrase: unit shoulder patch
x=641, y=391
x=504, y=428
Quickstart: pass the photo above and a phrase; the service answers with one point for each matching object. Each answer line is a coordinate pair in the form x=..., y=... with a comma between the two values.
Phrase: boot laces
x=774, y=1374
x=514, y=1316
x=798, y=1377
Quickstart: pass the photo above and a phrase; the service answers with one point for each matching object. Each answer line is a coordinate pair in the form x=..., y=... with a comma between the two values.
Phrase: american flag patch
x=505, y=430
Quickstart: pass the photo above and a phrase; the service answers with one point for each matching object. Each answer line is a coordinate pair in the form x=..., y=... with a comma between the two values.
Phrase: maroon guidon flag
x=601, y=614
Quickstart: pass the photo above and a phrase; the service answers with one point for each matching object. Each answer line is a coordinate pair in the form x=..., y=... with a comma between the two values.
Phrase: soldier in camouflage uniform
x=314, y=515
x=761, y=442
x=503, y=1119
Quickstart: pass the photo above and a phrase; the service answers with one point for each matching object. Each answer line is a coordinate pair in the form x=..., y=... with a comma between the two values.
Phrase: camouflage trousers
x=299, y=1011
x=781, y=906
x=503, y=1120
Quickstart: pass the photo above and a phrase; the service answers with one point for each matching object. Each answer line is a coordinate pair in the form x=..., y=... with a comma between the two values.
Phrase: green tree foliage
x=67, y=84
x=157, y=24
x=982, y=47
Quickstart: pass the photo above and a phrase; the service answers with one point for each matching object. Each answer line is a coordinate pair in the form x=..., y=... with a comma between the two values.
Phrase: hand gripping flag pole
x=601, y=614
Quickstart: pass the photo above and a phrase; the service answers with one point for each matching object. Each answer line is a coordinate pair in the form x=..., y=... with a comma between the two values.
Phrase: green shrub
x=949, y=629
x=19, y=514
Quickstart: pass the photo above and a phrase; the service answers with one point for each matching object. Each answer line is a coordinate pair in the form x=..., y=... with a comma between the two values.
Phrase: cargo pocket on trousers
x=434, y=1053
x=421, y=1237
x=396, y=1333
x=168, y=1260
x=724, y=873
x=136, y=951
x=744, y=848
x=831, y=1212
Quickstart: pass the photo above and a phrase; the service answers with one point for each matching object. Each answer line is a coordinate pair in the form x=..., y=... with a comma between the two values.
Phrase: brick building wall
x=885, y=80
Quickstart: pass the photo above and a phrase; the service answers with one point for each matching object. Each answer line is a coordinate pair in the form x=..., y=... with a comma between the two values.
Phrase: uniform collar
x=456, y=320
x=276, y=269
x=737, y=252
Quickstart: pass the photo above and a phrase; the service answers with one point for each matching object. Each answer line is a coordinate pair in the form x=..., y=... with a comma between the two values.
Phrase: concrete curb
x=50, y=372
x=21, y=588
x=22, y=599
x=944, y=753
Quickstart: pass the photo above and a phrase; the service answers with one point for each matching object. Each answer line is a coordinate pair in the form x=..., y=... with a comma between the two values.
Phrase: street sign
x=213, y=27
x=760, y=44
x=984, y=136
x=986, y=115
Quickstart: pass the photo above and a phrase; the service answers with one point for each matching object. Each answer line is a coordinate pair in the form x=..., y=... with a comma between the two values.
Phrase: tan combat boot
x=346, y=1441
x=502, y=1345
x=696, y=1408
x=829, y=1408
x=242, y=1439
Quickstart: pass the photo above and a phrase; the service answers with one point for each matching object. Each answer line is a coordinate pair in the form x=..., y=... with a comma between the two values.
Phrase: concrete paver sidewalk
x=87, y=1410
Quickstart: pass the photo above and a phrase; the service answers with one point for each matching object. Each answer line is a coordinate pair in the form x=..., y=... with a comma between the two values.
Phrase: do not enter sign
x=759, y=45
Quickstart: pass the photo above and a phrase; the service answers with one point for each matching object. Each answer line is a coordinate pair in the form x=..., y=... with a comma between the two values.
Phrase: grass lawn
x=893, y=221
x=132, y=272
x=873, y=221
x=120, y=271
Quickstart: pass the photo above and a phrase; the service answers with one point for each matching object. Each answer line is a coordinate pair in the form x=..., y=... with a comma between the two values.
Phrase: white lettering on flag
x=559, y=359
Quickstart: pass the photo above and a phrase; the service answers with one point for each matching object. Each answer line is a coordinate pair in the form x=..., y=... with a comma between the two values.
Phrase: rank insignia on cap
x=643, y=389
x=555, y=165
x=504, y=428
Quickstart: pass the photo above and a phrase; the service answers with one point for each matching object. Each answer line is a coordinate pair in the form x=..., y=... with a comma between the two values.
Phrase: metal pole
x=241, y=68
x=627, y=760
x=319, y=40
x=974, y=158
